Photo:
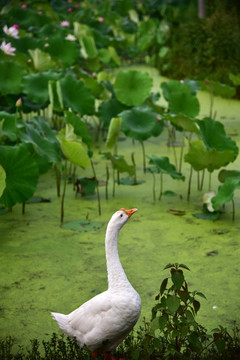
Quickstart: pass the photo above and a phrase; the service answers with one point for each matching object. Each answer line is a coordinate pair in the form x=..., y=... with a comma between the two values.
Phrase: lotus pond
x=46, y=267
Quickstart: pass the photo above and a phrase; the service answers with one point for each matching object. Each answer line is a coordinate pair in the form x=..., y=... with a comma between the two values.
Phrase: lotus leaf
x=87, y=185
x=43, y=138
x=226, y=191
x=21, y=174
x=89, y=49
x=224, y=174
x=109, y=109
x=81, y=30
x=55, y=95
x=73, y=147
x=41, y=60
x=180, y=98
x=68, y=56
x=139, y=122
x=200, y=158
x=214, y=137
x=26, y=43
x=11, y=75
x=163, y=165
x=114, y=55
x=9, y=125
x=76, y=95
x=119, y=163
x=104, y=56
x=235, y=79
x=113, y=132
x=27, y=17
x=80, y=127
x=184, y=122
x=2, y=180
x=132, y=87
x=35, y=86
x=218, y=89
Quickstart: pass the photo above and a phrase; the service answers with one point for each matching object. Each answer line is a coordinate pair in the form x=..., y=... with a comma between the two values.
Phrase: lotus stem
x=181, y=154
x=171, y=142
x=233, y=210
x=144, y=156
x=58, y=179
x=97, y=188
x=154, y=187
x=210, y=181
x=23, y=207
x=135, y=172
x=189, y=184
x=64, y=192
x=107, y=179
x=161, y=186
x=113, y=190
x=202, y=180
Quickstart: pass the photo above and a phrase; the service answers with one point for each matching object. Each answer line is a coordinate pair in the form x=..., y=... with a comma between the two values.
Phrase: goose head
x=121, y=217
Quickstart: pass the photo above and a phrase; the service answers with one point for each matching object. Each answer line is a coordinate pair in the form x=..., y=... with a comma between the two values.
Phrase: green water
x=46, y=268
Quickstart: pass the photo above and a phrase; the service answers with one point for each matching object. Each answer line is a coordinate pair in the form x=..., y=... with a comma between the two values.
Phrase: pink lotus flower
x=7, y=48
x=24, y=6
x=76, y=6
x=100, y=19
x=69, y=9
x=16, y=26
x=11, y=31
x=65, y=23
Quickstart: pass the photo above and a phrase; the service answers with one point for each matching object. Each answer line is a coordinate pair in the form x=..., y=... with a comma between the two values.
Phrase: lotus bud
x=19, y=102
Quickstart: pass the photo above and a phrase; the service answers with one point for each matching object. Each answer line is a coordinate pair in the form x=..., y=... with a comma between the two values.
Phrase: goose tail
x=61, y=319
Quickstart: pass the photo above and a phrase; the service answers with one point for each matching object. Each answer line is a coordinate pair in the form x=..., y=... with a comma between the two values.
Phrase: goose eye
x=121, y=215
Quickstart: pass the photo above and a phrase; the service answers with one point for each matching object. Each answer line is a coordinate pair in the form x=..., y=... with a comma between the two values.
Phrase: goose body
x=104, y=321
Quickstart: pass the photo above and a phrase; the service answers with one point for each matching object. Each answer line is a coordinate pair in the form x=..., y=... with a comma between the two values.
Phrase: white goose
x=104, y=321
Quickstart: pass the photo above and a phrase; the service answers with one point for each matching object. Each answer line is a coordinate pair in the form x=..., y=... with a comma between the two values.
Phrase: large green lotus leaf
x=9, y=125
x=76, y=95
x=26, y=43
x=109, y=109
x=35, y=86
x=27, y=17
x=113, y=132
x=163, y=165
x=173, y=86
x=73, y=147
x=65, y=50
x=21, y=174
x=2, y=180
x=225, y=174
x=214, y=136
x=139, y=122
x=104, y=56
x=89, y=49
x=11, y=75
x=183, y=121
x=226, y=192
x=132, y=87
x=200, y=158
x=42, y=61
x=43, y=138
x=183, y=102
x=80, y=127
x=218, y=89
x=81, y=30
x=235, y=79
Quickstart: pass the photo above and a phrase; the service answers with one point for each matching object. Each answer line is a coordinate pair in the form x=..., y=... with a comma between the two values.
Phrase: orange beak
x=129, y=212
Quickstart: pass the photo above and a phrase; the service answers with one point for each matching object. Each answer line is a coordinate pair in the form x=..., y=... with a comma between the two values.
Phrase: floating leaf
x=176, y=212
x=82, y=225
x=76, y=95
x=21, y=174
x=132, y=87
x=139, y=122
x=2, y=180
x=207, y=215
x=113, y=132
x=11, y=75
